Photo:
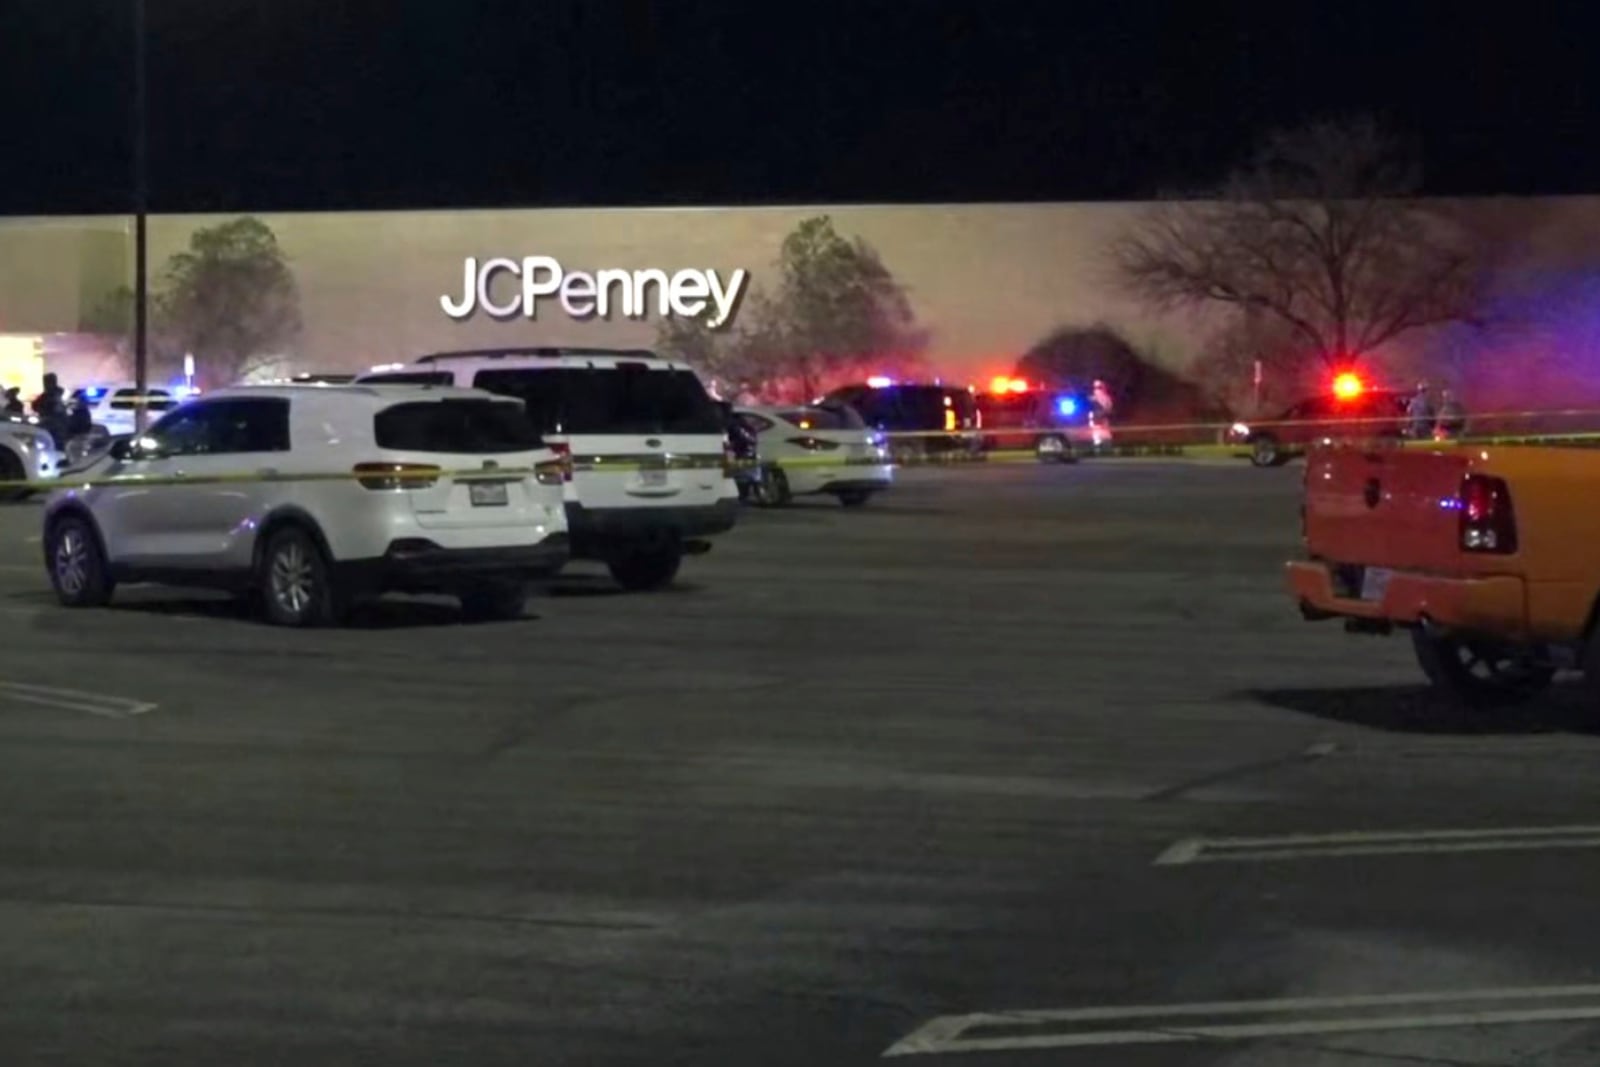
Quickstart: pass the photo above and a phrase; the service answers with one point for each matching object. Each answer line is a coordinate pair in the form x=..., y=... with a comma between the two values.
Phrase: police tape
x=555, y=472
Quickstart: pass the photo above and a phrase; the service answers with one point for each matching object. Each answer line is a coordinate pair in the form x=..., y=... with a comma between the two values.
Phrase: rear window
x=455, y=426
x=416, y=377
x=828, y=418
x=627, y=398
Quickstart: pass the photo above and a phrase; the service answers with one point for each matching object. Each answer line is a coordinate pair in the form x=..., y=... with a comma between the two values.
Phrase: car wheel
x=854, y=498
x=1264, y=451
x=11, y=471
x=647, y=568
x=296, y=584
x=773, y=489
x=495, y=602
x=1479, y=674
x=1054, y=449
x=79, y=572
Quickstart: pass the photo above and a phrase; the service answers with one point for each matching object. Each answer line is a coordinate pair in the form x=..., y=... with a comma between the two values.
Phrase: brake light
x=563, y=453
x=396, y=475
x=814, y=444
x=1487, y=522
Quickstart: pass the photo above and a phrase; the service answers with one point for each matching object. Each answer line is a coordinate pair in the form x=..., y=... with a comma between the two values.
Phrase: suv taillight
x=563, y=453
x=1487, y=523
x=396, y=475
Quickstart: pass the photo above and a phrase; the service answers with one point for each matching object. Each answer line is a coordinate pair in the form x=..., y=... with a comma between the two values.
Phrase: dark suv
x=944, y=418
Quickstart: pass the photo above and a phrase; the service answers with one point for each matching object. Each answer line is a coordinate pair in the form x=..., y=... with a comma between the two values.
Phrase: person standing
x=1420, y=413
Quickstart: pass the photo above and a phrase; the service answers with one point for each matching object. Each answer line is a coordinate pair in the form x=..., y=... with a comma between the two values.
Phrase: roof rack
x=544, y=352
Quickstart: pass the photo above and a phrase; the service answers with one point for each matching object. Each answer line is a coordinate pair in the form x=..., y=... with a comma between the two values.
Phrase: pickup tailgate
x=1387, y=507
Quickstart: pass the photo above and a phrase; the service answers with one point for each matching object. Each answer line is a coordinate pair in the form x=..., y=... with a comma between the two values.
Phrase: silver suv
x=308, y=498
x=650, y=478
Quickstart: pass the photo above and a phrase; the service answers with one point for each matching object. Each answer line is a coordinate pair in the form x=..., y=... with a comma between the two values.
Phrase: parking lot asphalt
x=1006, y=741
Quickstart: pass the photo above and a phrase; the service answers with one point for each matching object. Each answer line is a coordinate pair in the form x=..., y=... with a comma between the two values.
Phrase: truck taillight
x=396, y=475
x=1487, y=522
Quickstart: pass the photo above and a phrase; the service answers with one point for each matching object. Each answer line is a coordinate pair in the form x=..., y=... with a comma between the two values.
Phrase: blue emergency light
x=1067, y=406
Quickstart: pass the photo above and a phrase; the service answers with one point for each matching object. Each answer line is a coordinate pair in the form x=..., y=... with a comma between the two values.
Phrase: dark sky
x=408, y=103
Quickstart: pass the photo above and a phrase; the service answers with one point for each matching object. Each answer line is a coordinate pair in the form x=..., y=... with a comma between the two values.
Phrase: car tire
x=1053, y=448
x=773, y=490
x=854, y=498
x=1509, y=675
x=296, y=583
x=11, y=470
x=1265, y=451
x=647, y=568
x=79, y=571
x=495, y=602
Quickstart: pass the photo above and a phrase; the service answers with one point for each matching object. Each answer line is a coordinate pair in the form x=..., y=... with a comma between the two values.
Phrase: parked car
x=27, y=454
x=232, y=491
x=1485, y=555
x=921, y=420
x=1376, y=414
x=649, y=481
x=818, y=449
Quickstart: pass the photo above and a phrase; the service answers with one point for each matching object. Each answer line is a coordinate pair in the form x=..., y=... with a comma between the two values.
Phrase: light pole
x=141, y=281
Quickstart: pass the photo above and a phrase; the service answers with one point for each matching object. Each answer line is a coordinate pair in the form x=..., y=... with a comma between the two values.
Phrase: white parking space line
x=1377, y=843
x=107, y=707
x=1172, y=1023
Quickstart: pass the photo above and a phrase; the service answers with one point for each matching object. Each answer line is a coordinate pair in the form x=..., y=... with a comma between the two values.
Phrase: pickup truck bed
x=1490, y=557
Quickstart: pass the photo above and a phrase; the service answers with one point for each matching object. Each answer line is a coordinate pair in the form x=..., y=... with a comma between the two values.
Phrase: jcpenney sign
x=687, y=293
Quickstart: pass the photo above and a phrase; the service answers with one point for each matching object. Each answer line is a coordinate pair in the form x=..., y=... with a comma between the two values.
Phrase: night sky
x=348, y=104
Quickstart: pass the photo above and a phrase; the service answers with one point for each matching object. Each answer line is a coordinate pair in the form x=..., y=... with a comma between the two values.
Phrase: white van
x=649, y=477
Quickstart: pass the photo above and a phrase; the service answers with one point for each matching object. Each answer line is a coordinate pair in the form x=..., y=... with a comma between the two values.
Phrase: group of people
x=1427, y=419
x=64, y=421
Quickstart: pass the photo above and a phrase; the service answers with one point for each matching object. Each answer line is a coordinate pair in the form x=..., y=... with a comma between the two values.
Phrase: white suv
x=649, y=478
x=311, y=497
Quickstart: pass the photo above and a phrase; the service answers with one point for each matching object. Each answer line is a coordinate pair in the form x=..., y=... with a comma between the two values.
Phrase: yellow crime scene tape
x=555, y=470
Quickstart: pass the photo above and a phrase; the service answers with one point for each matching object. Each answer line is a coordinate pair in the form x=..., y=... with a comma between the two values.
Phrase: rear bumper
x=1492, y=605
x=416, y=565
x=594, y=530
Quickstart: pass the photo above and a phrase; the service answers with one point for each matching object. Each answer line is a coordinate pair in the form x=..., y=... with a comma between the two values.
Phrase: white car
x=27, y=454
x=817, y=450
x=650, y=477
x=115, y=407
x=310, y=498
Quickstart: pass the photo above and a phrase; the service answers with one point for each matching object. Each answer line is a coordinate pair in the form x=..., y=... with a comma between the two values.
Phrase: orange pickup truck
x=1489, y=556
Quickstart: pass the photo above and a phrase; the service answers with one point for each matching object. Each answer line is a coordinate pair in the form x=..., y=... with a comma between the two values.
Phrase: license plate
x=487, y=494
x=1374, y=581
x=653, y=478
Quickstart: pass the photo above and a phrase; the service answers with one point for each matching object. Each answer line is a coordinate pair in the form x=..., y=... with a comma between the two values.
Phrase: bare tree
x=1322, y=231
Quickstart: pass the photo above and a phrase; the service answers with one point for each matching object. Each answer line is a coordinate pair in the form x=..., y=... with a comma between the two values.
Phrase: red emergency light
x=1348, y=386
x=1005, y=384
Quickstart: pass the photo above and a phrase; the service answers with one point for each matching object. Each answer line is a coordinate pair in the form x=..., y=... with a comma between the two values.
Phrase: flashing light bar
x=880, y=382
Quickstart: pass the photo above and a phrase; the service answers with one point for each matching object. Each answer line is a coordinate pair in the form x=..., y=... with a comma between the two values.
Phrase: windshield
x=629, y=398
